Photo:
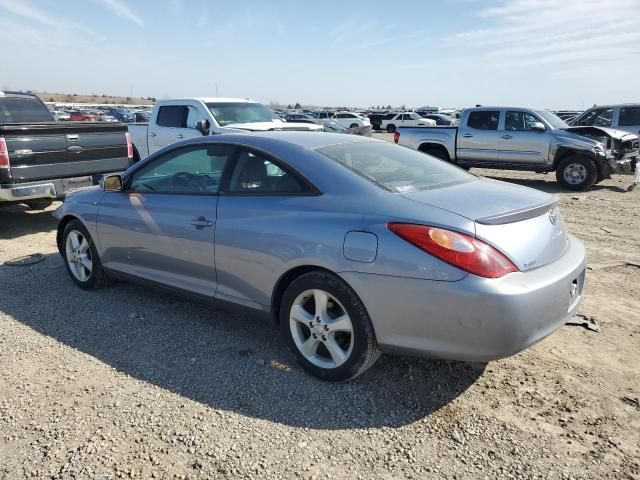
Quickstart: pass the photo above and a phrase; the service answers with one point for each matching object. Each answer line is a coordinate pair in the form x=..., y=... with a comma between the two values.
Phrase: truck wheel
x=577, y=173
x=391, y=128
x=438, y=153
x=39, y=204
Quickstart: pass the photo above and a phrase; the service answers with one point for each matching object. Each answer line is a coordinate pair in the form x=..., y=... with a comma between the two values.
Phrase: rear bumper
x=474, y=319
x=54, y=189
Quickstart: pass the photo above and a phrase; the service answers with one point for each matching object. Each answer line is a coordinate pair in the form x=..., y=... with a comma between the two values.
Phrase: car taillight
x=4, y=154
x=129, y=145
x=396, y=137
x=457, y=249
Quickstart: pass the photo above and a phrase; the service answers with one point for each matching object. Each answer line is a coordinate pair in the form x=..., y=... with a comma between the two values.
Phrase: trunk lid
x=522, y=223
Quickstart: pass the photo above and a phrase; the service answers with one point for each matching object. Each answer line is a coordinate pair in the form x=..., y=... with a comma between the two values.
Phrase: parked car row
x=99, y=113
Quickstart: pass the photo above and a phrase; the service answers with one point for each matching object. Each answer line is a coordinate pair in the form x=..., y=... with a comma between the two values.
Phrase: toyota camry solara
x=355, y=246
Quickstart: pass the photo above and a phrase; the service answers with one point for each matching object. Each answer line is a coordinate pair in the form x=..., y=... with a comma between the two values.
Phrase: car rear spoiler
x=520, y=214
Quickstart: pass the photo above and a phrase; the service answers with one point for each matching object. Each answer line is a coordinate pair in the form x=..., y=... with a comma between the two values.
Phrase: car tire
x=39, y=204
x=81, y=257
x=354, y=125
x=391, y=128
x=577, y=173
x=334, y=343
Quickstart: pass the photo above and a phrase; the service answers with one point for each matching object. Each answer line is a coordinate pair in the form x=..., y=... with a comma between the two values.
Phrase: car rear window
x=23, y=110
x=394, y=167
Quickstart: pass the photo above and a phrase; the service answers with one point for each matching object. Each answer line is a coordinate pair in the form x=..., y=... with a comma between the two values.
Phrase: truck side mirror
x=111, y=183
x=203, y=127
x=538, y=127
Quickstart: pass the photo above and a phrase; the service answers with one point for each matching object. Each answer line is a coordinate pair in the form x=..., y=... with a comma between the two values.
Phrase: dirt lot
x=128, y=382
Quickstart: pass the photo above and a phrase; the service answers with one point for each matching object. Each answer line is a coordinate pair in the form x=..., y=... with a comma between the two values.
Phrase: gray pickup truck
x=42, y=159
x=520, y=138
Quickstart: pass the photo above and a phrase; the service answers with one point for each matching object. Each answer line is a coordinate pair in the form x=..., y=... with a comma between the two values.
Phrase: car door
x=173, y=124
x=478, y=139
x=264, y=202
x=520, y=143
x=629, y=119
x=161, y=226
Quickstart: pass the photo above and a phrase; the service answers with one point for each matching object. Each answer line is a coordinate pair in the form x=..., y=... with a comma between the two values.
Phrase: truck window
x=172, y=116
x=23, y=110
x=598, y=117
x=519, y=121
x=484, y=120
x=629, y=116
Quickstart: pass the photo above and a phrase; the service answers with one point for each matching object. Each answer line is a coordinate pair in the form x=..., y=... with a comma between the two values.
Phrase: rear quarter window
x=484, y=120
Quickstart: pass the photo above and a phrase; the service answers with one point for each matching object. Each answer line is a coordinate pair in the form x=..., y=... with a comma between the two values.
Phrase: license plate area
x=70, y=184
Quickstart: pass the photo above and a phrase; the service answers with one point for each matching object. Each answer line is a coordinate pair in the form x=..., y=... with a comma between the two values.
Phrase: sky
x=544, y=53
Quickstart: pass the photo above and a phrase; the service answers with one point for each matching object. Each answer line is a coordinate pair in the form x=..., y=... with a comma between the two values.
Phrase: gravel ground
x=128, y=382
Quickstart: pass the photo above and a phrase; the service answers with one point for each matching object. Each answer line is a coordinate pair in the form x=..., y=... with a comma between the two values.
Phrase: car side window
x=258, y=174
x=484, y=120
x=598, y=117
x=193, y=170
x=171, y=116
x=519, y=121
x=629, y=116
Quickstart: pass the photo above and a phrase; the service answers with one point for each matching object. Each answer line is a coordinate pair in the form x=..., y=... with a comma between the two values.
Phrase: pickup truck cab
x=521, y=138
x=405, y=119
x=41, y=159
x=175, y=120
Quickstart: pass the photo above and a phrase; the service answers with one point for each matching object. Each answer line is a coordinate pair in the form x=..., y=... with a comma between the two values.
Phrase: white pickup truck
x=175, y=120
x=406, y=119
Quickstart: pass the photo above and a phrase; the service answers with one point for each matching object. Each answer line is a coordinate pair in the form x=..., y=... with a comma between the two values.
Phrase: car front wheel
x=327, y=327
x=81, y=257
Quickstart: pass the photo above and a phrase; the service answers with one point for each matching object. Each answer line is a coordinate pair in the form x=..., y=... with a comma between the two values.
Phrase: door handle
x=201, y=223
x=152, y=134
x=180, y=135
x=507, y=137
x=467, y=135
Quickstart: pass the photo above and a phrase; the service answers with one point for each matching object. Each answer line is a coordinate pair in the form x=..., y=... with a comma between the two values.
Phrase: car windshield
x=552, y=119
x=396, y=168
x=227, y=113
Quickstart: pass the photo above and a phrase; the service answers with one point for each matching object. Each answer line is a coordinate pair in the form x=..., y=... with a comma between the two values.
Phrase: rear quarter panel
x=414, y=137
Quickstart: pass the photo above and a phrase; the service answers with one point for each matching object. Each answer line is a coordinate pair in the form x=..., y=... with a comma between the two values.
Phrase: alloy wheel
x=78, y=255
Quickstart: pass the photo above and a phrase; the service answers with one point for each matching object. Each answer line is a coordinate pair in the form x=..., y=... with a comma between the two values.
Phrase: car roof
x=613, y=105
x=216, y=99
x=307, y=140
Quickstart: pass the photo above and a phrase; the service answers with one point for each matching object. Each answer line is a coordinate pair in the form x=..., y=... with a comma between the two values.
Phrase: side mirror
x=203, y=126
x=538, y=127
x=112, y=183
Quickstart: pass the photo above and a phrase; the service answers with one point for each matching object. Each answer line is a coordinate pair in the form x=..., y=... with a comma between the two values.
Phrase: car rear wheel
x=327, y=327
x=81, y=257
x=577, y=173
x=353, y=125
x=391, y=128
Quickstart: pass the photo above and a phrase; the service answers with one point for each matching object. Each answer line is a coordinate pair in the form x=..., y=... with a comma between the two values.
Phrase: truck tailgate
x=62, y=150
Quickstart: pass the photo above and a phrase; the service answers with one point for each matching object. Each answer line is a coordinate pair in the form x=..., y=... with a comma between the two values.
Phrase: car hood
x=521, y=222
x=271, y=126
x=575, y=138
x=609, y=132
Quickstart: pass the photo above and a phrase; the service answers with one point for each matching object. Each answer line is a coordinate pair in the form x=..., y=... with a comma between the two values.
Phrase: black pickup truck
x=41, y=159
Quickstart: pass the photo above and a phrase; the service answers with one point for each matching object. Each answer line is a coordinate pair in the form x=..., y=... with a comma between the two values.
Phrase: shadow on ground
x=18, y=220
x=228, y=361
x=546, y=183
